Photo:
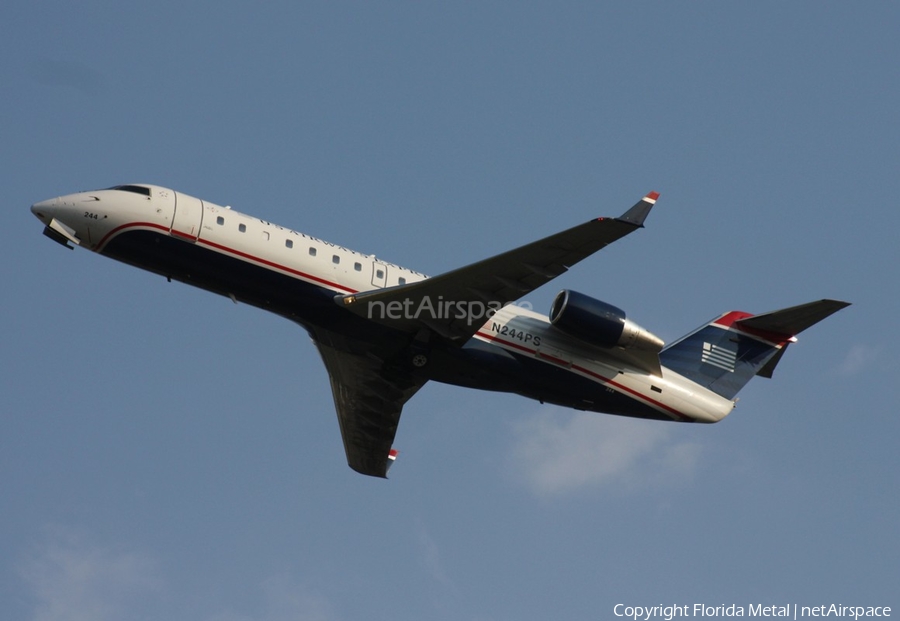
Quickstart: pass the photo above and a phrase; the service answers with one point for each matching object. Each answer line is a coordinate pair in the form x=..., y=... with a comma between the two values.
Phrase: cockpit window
x=133, y=188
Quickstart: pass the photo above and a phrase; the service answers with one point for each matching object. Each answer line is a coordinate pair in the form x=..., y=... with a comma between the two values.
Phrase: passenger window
x=402, y=281
x=357, y=267
x=312, y=251
x=220, y=220
x=379, y=274
x=289, y=243
x=335, y=259
x=242, y=228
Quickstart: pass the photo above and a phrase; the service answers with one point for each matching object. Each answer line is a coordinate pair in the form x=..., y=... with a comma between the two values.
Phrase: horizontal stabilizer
x=794, y=320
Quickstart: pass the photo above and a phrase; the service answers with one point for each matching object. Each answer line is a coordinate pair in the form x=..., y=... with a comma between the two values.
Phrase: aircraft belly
x=243, y=281
x=563, y=386
x=484, y=366
x=308, y=304
x=478, y=364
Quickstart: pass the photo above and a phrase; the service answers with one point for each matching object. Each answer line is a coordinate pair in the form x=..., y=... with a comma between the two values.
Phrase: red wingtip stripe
x=653, y=196
x=393, y=454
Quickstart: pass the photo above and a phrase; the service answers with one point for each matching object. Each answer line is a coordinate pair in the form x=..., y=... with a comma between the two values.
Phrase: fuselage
x=298, y=276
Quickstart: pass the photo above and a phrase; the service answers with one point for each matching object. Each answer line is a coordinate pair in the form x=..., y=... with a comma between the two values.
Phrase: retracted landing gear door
x=188, y=217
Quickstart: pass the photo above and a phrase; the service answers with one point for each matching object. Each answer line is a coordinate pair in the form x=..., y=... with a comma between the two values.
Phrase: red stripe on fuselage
x=560, y=362
x=225, y=249
x=277, y=266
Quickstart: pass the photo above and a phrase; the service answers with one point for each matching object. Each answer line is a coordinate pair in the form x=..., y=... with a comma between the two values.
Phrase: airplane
x=383, y=331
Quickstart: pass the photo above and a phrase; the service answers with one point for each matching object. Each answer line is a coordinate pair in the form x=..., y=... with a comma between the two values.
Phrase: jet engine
x=599, y=323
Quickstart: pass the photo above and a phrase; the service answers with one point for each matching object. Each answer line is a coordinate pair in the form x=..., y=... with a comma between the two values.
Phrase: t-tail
x=729, y=351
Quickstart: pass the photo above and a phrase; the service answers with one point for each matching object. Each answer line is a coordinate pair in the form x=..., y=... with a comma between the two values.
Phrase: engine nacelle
x=599, y=323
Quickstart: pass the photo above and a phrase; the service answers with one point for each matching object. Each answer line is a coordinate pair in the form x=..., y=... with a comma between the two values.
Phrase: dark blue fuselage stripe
x=476, y=365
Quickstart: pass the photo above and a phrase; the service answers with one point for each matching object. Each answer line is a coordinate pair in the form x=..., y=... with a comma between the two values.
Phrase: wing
x=455, y=304
x=369, y=394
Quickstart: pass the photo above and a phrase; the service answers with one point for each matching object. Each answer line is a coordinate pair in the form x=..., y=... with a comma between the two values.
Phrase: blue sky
x=165, y=454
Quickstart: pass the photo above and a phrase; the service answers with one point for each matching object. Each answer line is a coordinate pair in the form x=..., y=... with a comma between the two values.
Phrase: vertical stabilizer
x=726, y=353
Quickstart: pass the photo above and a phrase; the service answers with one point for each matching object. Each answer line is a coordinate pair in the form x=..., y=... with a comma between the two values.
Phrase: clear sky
x=168, y=455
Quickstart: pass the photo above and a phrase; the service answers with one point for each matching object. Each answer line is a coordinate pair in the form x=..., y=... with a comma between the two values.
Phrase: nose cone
x=46, y=210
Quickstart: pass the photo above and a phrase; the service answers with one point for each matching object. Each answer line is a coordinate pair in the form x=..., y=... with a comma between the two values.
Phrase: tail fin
x=729, y=351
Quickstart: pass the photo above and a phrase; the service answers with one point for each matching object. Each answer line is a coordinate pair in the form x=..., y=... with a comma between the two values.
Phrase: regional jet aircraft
x=383, y=331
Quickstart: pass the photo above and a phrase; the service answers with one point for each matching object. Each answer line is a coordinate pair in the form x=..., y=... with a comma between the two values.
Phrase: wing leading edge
x=451, y=300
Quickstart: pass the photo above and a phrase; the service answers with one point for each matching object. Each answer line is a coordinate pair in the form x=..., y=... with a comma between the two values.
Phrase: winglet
x=637, y=214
